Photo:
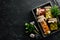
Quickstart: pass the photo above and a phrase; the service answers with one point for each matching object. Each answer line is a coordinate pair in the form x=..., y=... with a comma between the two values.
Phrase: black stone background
x=13, y=15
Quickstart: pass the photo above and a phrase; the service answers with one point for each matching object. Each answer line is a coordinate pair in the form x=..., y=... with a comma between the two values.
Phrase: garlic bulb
x=32, y=35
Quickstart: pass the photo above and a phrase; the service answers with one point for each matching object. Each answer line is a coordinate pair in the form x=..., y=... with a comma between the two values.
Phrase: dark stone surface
x=13, y=15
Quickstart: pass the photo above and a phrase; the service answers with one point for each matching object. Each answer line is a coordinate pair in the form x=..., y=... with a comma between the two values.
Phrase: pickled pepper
x=44, y=24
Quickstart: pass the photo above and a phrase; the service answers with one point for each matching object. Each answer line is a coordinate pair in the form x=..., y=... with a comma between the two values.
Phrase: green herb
x=55, y=11
x=30, y=28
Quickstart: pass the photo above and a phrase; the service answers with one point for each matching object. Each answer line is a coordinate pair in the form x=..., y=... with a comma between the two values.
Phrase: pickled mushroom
x=52, y=20
x=41, y=17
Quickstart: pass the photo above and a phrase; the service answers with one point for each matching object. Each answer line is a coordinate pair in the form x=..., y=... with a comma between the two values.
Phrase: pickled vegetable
x=48, y=12
x=40, y=11
x=53, y=23
x=44, y=24
x=41, y=18
x=52, y=20
x=45, y=27
x=53, y=26
x=44, y=15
